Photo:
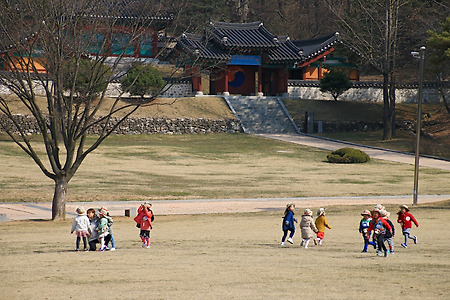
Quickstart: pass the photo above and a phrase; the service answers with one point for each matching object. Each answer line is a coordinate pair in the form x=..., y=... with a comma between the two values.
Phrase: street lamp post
x=420, y=55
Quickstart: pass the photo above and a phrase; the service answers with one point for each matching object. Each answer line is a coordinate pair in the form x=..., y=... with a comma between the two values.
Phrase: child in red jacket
x=406, y=219
x=144, y=221
x=380, y=227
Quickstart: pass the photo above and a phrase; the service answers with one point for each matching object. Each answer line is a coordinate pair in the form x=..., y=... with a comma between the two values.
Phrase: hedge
x=348, y=155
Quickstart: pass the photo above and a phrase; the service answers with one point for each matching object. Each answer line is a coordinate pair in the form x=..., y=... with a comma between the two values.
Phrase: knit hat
x=405, y=207
x=321, y=211
x=384, y=214
x=147, y=204
x=307, y=212
x=80, y=210
x=365, y=212
x=103, y=211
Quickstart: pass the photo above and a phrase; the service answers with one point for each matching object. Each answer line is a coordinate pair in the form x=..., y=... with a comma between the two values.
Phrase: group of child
x=93, y=229
x=96, y=229
x=307, y=226
x=376, y=220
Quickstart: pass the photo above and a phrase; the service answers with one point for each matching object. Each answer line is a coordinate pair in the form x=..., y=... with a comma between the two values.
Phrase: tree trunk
x=59, y=199
x=387, y=117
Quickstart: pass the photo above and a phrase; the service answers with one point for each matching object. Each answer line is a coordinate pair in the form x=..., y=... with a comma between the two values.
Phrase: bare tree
x=44, y=47
x=370, y=28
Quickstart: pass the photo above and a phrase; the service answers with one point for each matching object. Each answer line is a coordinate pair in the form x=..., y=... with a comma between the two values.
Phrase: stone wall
x=373, y=92
x=142, y=126
x=171, y=90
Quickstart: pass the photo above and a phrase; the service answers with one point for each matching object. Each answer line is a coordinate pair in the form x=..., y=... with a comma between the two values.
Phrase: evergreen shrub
x=348, y=155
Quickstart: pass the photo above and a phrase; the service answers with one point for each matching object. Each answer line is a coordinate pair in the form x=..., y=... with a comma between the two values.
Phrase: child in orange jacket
x=321, y=222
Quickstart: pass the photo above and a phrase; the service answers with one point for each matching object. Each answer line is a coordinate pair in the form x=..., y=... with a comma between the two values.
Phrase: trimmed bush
x=348, y=156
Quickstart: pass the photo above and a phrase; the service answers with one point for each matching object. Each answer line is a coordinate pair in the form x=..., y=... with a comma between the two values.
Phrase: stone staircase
x=261, y=114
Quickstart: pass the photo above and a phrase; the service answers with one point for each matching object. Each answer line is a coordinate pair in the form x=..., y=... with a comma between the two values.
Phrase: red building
x=246, y=59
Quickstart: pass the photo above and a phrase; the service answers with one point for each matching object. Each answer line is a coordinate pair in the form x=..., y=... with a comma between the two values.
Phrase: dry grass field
x=210, y=166
x=226, y=256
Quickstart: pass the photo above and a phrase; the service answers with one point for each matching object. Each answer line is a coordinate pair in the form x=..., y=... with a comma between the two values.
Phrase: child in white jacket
x=81, y=226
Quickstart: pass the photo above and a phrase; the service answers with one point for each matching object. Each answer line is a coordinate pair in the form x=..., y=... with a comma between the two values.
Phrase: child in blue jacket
x=288, y=223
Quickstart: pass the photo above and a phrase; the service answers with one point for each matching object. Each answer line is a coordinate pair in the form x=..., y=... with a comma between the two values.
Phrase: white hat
x=307, y=212
x=321, y=211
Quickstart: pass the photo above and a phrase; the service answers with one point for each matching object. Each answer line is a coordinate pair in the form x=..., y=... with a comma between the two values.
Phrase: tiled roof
x=199, y=47
x=286, y=52
x=246, y=36
x=314, y=47
x=129, y=10
x=223, y=39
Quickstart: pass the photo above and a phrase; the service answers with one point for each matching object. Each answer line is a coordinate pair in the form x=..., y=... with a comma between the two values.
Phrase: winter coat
x=144, y=218
x=321, y=222
x=364, y=225
x=102, y=226
x=308, y=227
x=406, y=220
x=288, y=221
x=93, y=225
x=388, y=233
x=379, y=226
x=80, y=223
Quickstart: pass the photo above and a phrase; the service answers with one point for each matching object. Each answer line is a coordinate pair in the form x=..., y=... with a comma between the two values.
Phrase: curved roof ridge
x=226, y=25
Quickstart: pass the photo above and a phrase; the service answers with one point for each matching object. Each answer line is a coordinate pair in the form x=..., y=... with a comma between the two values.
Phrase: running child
x=308, y=227
x=363, y=226
x=406, y=219
x=379, y=227
x=288, y=223
x=321, y=222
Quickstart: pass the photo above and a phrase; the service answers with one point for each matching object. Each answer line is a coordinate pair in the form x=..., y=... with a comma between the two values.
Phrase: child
x=144, y=221
x=363, y=226
x=288, y=223
x=110, y=230
x=405, y=218
x=321, y=222
x=379, y=227
x=102, y=228
x=308, y=227
x=389, y=237
x=81, y=226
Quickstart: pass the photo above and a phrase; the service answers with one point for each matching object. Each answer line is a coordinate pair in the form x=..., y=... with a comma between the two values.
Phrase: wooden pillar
x=196, y=80
x=260, y=81
x=155, y=44
x=319, y=69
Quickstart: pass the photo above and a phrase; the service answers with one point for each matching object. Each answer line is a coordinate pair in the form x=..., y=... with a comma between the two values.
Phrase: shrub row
x=348, y=155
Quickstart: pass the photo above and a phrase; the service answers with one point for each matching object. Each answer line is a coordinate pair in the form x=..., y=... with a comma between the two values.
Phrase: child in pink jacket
x=144, y=222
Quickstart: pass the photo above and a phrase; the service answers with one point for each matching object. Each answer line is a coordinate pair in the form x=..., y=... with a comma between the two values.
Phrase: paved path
x=373, y=152
x=29, y=211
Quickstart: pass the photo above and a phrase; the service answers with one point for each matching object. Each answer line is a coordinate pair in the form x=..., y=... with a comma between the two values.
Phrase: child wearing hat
x=102, y=228
x=144, y=221
x=363, y=226
x=389, y=236
x=406, y=219
x=288, y=223
x=379, y=226
x=321, y=222
x=308, y=227
x=110, y=230
x=81, y=226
